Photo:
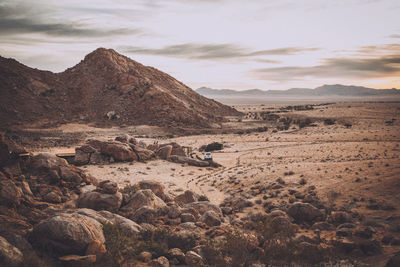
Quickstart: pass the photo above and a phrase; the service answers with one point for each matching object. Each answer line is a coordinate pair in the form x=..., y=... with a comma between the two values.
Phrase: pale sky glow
x=216, y=43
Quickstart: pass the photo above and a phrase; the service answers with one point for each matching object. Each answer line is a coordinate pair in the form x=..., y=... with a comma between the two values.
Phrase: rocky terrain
x=105, y=88
x=313, y=185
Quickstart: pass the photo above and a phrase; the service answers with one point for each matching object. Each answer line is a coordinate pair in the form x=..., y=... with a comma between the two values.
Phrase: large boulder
x=211, y=218
x=176, y=149
x=9, y=255
x=143, y=153
x=156, y=187
x=144, y=198
x=107, y=187
x=164, y=152
x=193, y=259
x=46, y=162
x=189, y=161
x=117, y=150
x=124, y=225
x=159, y=262
x=100, y=201
x=187, y=197
x=304, y=212
x=83, y=153
x=67, y=233
x=144, y=214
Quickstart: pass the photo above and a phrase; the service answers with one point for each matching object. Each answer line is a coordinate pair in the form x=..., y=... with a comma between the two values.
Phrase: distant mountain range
x=325, y=90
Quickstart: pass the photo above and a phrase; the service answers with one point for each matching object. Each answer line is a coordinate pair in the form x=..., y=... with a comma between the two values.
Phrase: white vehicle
x=207, y=155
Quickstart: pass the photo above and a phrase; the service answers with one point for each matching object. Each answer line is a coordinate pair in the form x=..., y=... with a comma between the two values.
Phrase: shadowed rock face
x=105, y=87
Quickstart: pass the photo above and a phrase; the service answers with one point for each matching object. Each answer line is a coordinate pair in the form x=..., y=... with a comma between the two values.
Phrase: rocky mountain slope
x=105, y=87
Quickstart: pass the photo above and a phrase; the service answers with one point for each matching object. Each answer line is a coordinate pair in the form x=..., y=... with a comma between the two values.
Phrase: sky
x=236, y=44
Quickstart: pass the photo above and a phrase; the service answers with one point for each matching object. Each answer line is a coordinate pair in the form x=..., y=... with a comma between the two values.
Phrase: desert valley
x=109, y=164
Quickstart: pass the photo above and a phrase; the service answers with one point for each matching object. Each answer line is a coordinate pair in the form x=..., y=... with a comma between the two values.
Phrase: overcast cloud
x=236, y=44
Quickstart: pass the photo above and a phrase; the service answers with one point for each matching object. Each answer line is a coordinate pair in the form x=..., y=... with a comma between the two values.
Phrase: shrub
x=116, y=244
x=329, y=121
x=203, y=198
x=214, y=146
x=130, y=189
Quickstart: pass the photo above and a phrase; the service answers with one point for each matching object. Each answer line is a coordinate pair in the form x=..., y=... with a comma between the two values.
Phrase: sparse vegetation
x=329, y=121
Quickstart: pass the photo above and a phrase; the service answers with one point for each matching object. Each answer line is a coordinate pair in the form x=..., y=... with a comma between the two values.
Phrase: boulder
x=82, y=154
x=52, y=197
x=126, y=139
x=156, y=187
x=10, y=193
x=184, y=239
x=117, y=150
x=99, y=158
x=67, y=234
x=370, y=247
x=188, y=217
x=9, y=150
x=174, y=211
x=144, y=198
x=9, y=255
x=47, y=161
x=193, y=259
x=304, y=212
x=108, y=187
x=145, y=256
x=339, y=217
x=159, y=262
x=164, y=152
x=176, y=256
x=187, y=197
x=176, y=149
x=394, y=261
x=211, y=218
x=189, y=161
x=143, y=154
x=144, y=214
x=124, y=225
x=202, y=206
x=99, y=201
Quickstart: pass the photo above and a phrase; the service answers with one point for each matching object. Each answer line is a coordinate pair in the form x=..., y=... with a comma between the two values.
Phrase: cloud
x=387, y=66
x=394, y=36
x=20, y=19
x=213, y=51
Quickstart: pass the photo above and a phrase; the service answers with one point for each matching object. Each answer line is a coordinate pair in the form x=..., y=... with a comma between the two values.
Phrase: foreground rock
x=66, y=234
x=144, y=198
x=106, y=197
x=9, y=255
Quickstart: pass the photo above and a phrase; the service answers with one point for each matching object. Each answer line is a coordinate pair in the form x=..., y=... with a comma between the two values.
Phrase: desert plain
x=347, y=157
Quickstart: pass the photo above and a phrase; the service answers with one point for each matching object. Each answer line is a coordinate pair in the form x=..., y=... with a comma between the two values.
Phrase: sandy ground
x=351, y=168
x=329, y=157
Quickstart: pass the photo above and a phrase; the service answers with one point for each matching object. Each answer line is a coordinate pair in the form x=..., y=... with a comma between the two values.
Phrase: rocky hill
x=104, y=88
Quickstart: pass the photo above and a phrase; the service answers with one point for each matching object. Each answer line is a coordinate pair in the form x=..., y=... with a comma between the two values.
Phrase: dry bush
x=130, y=189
